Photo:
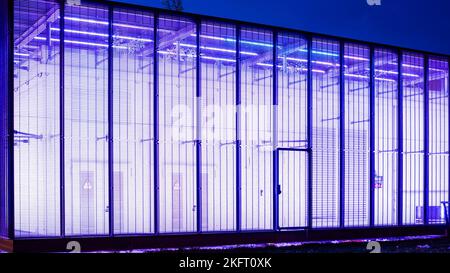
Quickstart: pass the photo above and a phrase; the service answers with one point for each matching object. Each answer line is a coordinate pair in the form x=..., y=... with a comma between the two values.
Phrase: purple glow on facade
x=116, y=138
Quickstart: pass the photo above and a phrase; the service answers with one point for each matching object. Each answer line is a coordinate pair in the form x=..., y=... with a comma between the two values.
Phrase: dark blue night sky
x=417, y=24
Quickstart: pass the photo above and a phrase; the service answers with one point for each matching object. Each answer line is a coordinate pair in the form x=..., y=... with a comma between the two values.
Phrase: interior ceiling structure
x=34, y=18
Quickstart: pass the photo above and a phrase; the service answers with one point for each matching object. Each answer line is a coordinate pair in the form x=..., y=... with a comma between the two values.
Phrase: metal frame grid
x=334, y=60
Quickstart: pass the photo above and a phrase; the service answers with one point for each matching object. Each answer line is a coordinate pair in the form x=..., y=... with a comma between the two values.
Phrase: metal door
x=292, y=188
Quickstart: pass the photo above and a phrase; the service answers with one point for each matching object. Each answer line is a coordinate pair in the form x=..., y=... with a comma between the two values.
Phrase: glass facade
x=413, y=132
x=386, y=153
x=133, y=105
x=325, y=132
x=218, y=121
x=291, y=138
x=86, y=136
x=438, y=126
x=356, y=134
x=37, y=120
x=133, y=121
x=256, y=128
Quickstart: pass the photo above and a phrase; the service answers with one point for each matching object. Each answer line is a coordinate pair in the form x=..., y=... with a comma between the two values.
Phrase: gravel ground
x=419, y=244
x=408, y=246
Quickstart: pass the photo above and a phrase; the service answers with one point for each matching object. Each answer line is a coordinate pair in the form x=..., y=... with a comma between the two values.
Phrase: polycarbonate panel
x=413, y=137
x=439, y=137
x=386, y=136
x=356, y=132
x=133, y=122
x=291, y=127
x=292, y=102
x=292, y=166
x=86, y=119
x=218, y=134
x=256, y=128
x=177, y=124
x=36, y=119
x=325, y=133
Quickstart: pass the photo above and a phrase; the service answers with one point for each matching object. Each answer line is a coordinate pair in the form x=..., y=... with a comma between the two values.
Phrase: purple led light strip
x=102, y=35
x=79, y=42
x=367, y=77
x=21, y=54
x=105, y=23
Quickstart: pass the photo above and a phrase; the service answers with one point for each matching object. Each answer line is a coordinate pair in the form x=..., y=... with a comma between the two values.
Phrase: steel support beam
x=400, y=139
x=62, y=177
x=198, y=142
x=10, y=187
x=426, y=186
x=155, y=124
x=6, y=130
x=341, y=135
x=110, y=122
x=170, y=39
x=238, y=131
x=309, y=134
x=276, y=182
x=37, y=28
x=372, y=138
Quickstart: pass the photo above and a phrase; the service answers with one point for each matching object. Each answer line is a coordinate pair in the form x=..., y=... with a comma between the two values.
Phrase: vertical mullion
x=309, y=133
x=155, y=124
x=341, y=135
x=62, y=204
x=238, y=130
x=448, y=136
x=400, y=138
x=372, y=137
x=276, y=183
x=10, y=106
x=426, y=142
x=198, y=128
x=110, y=123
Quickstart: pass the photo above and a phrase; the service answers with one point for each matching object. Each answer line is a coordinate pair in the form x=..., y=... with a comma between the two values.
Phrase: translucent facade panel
x=198, y=130
x=356, y=133
x=386, y=136
x=292, y=85
x=325, y=132
x=291, y=129
x=133, y=108
x=438, y=138
x=256, y=128
x=293, y=178
x=413, y=137
x=218, y=121
x=177, y=124
x=36, y=120
x=86, y=119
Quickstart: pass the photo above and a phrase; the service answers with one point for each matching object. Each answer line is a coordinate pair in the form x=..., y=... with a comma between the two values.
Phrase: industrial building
x=130, y=126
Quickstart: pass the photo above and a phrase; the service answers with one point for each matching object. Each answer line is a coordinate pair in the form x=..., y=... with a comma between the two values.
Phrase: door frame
x=277, y=186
